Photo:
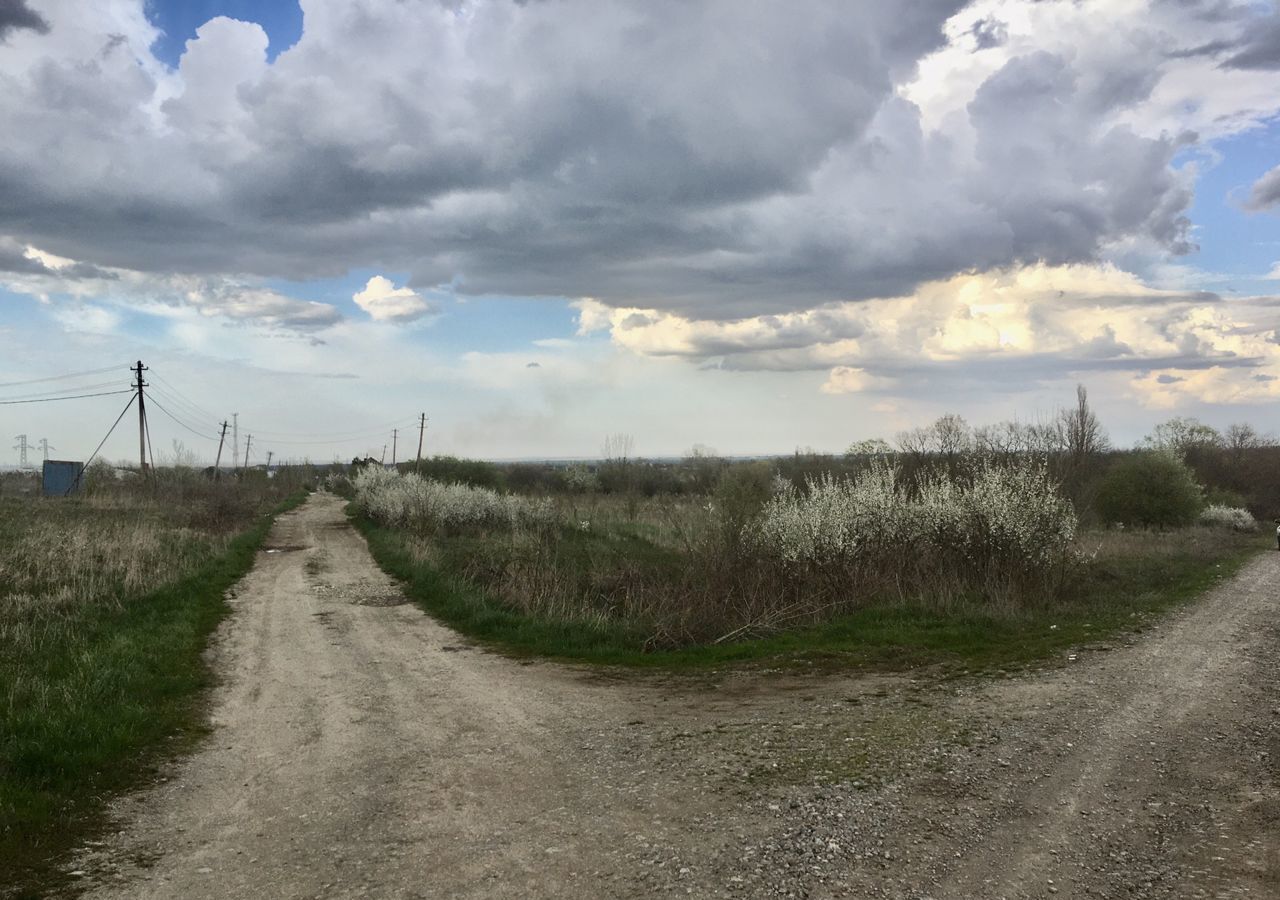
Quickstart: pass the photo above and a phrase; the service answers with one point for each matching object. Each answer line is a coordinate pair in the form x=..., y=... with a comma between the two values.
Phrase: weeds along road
x=359, y=749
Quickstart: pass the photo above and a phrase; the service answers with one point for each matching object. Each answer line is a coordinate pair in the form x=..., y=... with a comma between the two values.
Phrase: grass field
x=106, y=605
x=107, y=602
x=487, y=586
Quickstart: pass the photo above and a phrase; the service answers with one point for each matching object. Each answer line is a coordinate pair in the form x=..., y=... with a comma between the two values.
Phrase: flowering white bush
x=1006, y=515
x=1228, y=517
x=410, y=500
x=580, y=480
x=836, y=517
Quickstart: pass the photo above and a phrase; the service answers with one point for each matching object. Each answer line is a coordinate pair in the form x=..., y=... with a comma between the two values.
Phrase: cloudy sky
x=752, y=226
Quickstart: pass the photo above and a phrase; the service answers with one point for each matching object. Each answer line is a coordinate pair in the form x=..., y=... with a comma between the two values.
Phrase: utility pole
x=142, y=416
x=22, y=447
x=383, y=460
x=235, y=441
x=270, y=453
x=422, y=426
x=222, y=438
x=46, y=447
x=247, y=444
x=395, y=434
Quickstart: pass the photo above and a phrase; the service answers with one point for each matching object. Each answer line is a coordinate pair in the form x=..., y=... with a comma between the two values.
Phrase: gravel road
x=358, y=749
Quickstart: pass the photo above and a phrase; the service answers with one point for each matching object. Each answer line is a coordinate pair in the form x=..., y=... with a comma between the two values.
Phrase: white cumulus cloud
x=385, y=302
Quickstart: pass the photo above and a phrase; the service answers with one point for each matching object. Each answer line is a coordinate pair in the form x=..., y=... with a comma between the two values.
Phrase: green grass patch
x=93, y=695
x=1130, y=582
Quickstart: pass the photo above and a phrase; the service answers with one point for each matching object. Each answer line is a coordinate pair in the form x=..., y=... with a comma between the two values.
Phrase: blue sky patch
x=179, y=19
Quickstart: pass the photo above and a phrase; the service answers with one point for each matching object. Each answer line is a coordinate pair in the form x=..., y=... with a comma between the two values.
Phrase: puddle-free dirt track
x=360, y=749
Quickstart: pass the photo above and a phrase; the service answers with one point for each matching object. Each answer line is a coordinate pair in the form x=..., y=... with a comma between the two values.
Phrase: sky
x=750, y=227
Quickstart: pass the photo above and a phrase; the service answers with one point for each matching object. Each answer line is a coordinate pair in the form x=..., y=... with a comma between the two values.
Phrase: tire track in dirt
x=360, y=749
x=1153, y=774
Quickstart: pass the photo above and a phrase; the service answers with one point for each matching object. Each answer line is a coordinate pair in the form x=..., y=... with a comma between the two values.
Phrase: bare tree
x=619, y=447
x=1181, y=434
x=1242, y=437
x=953, y=436
x=1002, y=439
x=869, y=447
x=1080, y=434
x=917, y=441
x=1043, y=439
x=182, y=457
x=704, y=466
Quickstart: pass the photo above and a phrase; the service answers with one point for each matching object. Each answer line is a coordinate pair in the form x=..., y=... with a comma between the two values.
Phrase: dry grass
x=668, y=569
x=1121, y=546
x=106, y=601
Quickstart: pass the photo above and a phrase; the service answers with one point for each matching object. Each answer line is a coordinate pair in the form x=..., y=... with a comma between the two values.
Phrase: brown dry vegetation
x=626, y=575
x=106, y=600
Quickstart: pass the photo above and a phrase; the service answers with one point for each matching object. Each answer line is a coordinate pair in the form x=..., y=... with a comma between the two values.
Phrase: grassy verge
x=92, y=694
x=1129, y=581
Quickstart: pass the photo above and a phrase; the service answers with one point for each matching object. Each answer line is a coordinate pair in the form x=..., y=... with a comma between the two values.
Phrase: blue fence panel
x=61, y=478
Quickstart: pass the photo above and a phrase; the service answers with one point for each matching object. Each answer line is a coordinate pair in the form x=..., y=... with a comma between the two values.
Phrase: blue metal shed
x=61, y=477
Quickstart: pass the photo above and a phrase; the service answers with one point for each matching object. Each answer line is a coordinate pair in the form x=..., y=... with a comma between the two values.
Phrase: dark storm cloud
x=1265, y=193
x=16, y=14
x=717, y=159
x=1259, y=46
x=1252, y=40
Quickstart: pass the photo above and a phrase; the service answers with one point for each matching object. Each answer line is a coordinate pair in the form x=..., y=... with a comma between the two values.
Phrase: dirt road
x=359, y=749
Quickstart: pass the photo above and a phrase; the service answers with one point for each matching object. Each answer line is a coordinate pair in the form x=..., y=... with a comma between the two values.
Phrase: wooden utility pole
x=383, y=461
x=395, y=435
x=142, y=416
x=270, y=453
x=248, y=442
x=422, y=426
x=217, y=472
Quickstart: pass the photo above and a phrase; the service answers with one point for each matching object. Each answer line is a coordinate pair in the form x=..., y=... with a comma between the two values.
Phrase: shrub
x=452, y=470
x=98, y=476
x=1002, y=530
x=339, y=483
x=578, y=479
x=1233, y=518
x=741, y=493
x=1149, y=489
x=390, y=498
x=1218, y=496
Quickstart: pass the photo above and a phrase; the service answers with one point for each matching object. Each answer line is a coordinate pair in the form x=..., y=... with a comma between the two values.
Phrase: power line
x=329, y=441
x=180, y=400
x=156, y=403
x=76, y=397
x=185, y=400
x=94, y=455
x=355, y=433
x=80, y=388
x=183, y=410
x=61, y=377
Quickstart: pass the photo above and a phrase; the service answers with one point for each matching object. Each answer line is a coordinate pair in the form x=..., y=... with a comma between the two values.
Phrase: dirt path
x=359, y=749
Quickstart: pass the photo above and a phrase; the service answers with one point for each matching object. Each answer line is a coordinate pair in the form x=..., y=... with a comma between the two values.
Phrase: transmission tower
x=45, y=446
x=22, y=447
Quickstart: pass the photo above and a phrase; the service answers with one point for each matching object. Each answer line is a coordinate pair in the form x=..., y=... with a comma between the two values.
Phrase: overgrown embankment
x=106, y=607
